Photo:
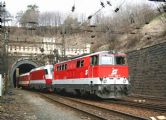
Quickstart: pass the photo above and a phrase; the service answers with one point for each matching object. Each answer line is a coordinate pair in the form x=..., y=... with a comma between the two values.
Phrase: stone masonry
x=147, y=69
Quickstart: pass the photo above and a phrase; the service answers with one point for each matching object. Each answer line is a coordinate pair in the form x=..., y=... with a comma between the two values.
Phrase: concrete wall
x=147, y=69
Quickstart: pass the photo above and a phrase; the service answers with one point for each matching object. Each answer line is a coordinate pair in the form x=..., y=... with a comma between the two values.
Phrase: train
x=104, y=74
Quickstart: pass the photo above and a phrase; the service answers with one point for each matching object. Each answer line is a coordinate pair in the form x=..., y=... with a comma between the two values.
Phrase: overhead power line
x=158, y=0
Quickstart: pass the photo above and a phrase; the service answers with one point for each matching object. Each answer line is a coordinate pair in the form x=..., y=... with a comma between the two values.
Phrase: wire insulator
x=73, y=8
x=108, y=2
x=117, y=9
x=89, y=17
x=102, y=4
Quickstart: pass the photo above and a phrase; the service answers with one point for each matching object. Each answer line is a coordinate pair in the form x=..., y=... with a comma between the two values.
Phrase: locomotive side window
x=65, y=66
x=120, y=60
x=106, y=60
x=80, y=63
x=94, y=60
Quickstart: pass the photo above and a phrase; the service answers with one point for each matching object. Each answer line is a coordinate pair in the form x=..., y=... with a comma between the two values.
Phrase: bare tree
x=70, y=23
x=50, y=19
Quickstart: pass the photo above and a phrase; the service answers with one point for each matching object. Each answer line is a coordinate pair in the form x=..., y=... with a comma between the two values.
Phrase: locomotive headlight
x=101, y=79
x=104, y=80
x=124, y=80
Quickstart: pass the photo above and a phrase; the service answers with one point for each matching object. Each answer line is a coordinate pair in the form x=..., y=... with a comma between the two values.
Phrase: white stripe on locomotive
x=92, y=81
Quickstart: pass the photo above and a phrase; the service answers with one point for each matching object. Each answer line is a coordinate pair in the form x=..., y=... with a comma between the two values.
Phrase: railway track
x=92, y=109
x=141, y=104
x=161, y=99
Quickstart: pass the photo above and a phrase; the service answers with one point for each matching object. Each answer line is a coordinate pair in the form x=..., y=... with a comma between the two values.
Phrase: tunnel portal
x=24, y=67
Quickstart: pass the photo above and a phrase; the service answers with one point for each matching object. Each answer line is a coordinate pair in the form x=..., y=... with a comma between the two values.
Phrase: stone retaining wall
x=147, y=69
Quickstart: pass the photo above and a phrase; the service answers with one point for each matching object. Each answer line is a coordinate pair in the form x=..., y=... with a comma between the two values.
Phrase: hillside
x=139, y=37
x=132, y=38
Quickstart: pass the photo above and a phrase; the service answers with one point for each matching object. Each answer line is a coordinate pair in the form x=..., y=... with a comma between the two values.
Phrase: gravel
x=24, y=105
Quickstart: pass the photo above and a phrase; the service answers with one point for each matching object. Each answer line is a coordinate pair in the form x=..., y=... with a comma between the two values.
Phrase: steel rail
x=118, y=113
x=74, y=108
x=156, y=107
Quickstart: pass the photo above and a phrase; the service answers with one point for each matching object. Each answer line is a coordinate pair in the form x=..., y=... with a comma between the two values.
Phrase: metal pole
x=63, y=44
x=1, y=85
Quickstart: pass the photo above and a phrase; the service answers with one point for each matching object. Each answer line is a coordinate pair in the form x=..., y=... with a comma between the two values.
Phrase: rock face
x=147, y=69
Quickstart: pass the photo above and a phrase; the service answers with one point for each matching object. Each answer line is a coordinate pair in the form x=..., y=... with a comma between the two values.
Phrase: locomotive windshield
x=106, y=60
x=120, y=60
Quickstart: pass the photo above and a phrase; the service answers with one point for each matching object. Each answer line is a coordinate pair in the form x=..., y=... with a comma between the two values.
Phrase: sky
x=86, y=7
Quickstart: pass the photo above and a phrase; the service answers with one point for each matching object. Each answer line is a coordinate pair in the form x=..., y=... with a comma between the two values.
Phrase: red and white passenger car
x=104, y=74
x=24, y=80
x=38, y=78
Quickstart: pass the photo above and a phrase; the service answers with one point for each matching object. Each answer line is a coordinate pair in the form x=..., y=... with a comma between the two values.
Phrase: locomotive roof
x=91, y=54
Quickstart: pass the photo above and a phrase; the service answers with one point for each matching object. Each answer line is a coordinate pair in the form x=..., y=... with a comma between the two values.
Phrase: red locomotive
x=104, y=74
x=38, y=78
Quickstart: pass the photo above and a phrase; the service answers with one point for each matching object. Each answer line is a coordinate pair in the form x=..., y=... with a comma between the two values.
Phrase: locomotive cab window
x=94, y=60
x=120, y=60
x=46, y=71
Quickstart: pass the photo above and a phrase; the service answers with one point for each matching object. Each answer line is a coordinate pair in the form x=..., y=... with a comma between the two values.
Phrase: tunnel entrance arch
x=24, y=65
